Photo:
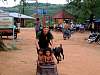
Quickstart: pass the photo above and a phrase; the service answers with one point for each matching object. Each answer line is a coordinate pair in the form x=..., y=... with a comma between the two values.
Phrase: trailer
x=8, y=31
x=7, y=27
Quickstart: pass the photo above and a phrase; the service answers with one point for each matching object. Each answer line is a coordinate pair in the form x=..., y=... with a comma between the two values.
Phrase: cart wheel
x=37, y=71
x=56, y=72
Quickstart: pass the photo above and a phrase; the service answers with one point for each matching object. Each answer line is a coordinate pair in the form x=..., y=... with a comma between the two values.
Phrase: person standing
x=37, y=26
x=44, y=39
x=66, y=31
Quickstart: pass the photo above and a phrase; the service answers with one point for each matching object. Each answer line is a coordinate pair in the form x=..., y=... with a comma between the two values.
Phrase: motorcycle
x=94, y=37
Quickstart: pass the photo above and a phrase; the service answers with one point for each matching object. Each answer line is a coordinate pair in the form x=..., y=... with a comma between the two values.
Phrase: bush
x=29, y=23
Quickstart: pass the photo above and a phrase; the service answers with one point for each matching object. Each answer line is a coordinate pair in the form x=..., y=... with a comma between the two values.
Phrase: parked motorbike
x=94, y=37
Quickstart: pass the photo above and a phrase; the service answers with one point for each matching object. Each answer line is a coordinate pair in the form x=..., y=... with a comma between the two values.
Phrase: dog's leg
x=56, y=58
x=59, y=57
x=62, y=53
x=57, y=61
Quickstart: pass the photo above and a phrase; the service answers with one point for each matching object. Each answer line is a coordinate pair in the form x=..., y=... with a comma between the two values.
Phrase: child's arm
x=52, y=60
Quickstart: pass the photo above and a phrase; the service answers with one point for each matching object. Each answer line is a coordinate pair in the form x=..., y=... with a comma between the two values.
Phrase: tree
x=82, y=9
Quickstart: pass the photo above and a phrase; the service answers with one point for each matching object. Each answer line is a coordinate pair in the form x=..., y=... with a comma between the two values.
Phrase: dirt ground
x=81, y=58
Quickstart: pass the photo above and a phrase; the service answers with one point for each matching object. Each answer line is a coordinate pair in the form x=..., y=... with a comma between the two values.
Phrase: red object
x=63, y=15
x=44, y=21
x=6, y=31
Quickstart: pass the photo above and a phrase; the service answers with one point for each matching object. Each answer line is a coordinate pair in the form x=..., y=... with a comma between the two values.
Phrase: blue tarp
x=97, y=21
x=18, y=15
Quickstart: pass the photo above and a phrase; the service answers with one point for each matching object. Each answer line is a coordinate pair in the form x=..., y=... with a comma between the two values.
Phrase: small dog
x=58, y=51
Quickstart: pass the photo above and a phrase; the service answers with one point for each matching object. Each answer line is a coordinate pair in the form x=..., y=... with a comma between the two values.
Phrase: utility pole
x=22, y=8
x=45, y=15
x=23, y=5
x=37, y=14
x=37, y=9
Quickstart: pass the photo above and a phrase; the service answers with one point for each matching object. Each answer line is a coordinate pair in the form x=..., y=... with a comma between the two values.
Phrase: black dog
x=58, y=51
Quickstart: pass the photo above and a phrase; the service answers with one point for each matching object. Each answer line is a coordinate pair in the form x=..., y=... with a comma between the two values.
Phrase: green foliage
x=83, y=9
x=29, y=23
x=29, y=7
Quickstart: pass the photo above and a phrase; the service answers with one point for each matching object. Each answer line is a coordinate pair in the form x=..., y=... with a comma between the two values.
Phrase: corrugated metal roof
x=17, y=15
x=1, y=11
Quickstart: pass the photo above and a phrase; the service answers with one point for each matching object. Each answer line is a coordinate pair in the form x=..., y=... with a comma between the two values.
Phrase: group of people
x=44, y=38
x=44, y=43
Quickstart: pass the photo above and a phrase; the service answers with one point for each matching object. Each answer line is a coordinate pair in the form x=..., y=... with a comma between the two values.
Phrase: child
x=49, y=57
x=40, y=57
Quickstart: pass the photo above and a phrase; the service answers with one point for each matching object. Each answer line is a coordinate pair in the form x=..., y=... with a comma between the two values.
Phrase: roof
x=1, y=11
x=18, y=15
x=14, y=14
x=63, y=14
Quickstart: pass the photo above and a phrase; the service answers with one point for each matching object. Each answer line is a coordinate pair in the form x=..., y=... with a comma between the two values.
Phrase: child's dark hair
x=49, y=49
x=40, y=50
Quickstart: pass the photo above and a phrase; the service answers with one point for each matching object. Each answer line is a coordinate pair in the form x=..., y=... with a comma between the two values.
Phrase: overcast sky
x=10, y=3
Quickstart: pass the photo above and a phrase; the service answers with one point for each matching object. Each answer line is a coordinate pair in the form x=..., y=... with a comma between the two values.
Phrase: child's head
x=48, y=53
x=40, y=52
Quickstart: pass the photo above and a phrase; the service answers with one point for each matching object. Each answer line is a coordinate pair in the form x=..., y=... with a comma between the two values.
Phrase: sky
x=11, y=3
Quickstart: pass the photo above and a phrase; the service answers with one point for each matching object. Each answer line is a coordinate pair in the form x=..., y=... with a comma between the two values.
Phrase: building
x=62, y=16
x=18, y=18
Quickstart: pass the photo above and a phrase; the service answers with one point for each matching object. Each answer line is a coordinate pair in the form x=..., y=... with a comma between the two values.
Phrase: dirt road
x=81, y=58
